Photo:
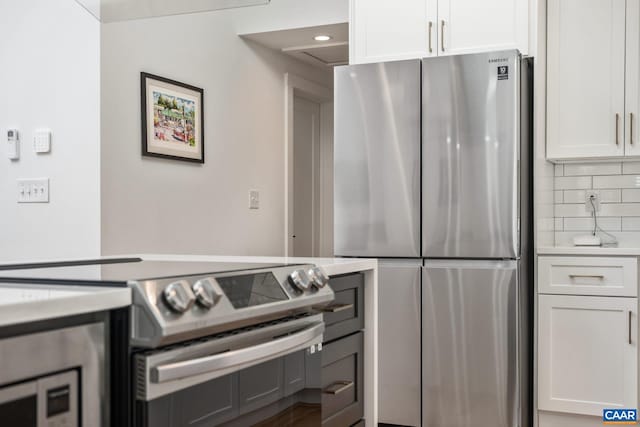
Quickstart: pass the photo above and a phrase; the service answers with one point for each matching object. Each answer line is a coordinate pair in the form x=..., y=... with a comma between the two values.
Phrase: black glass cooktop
x=117, y=272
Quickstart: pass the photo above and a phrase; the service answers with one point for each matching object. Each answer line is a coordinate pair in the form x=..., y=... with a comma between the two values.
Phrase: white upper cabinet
x=386, y=30
x=390, y=30
x=482, y=25
x=585, y=92
x=632, y=110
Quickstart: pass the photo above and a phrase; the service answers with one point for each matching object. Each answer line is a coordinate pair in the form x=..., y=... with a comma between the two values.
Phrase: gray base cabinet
x=345, y=315
x=342, y=354
x=342, y=381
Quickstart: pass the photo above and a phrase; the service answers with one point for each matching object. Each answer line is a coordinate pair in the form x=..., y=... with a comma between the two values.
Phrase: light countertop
x=331, y=266
x=584, y=250
x=23, y=303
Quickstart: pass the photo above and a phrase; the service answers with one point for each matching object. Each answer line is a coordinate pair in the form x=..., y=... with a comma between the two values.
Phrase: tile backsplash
x=618, y=188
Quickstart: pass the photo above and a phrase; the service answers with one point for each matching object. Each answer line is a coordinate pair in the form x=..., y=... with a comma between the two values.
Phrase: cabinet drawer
x=345, y=315
x=613, y=276
x=342, y=381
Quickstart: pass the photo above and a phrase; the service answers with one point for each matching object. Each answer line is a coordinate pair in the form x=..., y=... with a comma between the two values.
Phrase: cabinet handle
x=430, y=31
x=338, y=387
x=442, y=34
x=335, y=308
x=631, y=128
x=629, y=326
x=586, y=276
x=617, y=126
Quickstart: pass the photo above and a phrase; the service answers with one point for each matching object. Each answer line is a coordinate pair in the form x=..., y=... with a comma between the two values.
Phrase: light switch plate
x=42, y=141
x=254, y=199
x=33, y=190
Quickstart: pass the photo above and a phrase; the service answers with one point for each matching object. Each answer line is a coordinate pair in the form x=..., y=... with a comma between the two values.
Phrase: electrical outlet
x=254, y=199
x=33, y=190
x=589, y=197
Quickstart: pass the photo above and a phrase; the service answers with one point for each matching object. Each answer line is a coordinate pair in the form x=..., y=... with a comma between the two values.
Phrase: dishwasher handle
x=253, y=354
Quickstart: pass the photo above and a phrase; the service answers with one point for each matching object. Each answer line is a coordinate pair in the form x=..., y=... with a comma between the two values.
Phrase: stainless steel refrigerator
x=432, y=175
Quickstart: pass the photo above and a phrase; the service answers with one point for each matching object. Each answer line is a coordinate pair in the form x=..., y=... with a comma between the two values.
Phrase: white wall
x=49, y=77
x=157, y=205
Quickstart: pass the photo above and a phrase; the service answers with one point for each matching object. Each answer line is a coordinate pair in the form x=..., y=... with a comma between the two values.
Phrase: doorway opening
x=309, y=168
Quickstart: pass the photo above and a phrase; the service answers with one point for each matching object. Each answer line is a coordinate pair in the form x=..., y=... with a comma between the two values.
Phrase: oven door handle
x=249, y=355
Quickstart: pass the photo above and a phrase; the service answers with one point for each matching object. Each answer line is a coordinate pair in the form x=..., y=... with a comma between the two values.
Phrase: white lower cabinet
x=587, y=355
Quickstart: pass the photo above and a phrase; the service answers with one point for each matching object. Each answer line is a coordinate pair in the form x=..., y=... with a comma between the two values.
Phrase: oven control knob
x=300, y=280
x=178, y=296
x=318, y=277
x=205, y=293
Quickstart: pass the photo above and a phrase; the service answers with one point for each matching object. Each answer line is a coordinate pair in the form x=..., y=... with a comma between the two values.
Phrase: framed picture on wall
x=172, y=119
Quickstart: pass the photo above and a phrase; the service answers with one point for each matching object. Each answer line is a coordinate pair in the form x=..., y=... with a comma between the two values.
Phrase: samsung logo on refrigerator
x=619, y=416
x=494, y=60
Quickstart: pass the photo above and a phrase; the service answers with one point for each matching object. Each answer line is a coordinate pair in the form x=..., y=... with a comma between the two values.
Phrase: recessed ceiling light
x=322, y=38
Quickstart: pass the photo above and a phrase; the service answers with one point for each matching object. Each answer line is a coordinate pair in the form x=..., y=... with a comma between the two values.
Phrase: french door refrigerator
x=432, y=175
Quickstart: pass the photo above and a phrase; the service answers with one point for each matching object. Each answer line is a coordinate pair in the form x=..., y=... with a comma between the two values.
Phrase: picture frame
x=172, y=119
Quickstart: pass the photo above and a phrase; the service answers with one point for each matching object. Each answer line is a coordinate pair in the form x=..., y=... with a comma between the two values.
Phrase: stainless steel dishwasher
x=54, y=378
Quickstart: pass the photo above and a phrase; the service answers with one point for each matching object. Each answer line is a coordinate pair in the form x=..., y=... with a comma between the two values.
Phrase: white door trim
x=297, y=85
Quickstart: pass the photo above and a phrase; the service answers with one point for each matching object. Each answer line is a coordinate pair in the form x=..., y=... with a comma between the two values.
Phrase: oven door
x=266, y=375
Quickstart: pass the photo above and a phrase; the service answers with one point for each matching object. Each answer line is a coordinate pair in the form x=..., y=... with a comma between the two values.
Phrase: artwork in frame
x=172, y=119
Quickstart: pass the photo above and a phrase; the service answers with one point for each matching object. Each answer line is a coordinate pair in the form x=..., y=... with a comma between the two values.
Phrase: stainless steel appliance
x=44, y=384
x=215, y=343
x=433, y=176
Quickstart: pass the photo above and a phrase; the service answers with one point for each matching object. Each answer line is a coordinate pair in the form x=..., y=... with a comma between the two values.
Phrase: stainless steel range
x=172, y=309
x=214, y=343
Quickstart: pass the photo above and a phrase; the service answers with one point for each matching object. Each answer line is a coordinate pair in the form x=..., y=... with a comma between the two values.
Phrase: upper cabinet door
x=383, y=30
x=466, y=26
x=632, y=119
x=585, y=78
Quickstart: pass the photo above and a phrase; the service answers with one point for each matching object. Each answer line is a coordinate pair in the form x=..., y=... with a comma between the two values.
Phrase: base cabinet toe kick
x=587, y=338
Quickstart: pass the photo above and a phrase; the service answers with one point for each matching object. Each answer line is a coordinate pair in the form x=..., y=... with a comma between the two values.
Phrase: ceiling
x=123, y=10
x=299, y=43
